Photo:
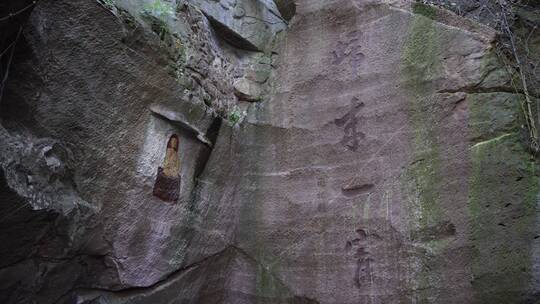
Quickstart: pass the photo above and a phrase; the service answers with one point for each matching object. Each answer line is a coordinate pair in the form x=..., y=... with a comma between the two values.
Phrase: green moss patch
x=503, y=194
x=421, y=182
x=424, y=10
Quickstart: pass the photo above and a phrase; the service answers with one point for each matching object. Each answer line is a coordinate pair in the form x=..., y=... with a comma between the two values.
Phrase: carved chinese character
x=349, y=122
x=349, y=49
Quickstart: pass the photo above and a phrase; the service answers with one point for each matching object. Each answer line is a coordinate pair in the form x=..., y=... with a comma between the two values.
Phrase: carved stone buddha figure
x=167, y=185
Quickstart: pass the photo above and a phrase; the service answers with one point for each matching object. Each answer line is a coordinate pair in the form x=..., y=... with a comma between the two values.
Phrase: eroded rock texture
x=381, y=159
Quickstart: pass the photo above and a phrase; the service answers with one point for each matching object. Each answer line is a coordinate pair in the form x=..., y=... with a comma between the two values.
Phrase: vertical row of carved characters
x=167, y=185
x=363, y=274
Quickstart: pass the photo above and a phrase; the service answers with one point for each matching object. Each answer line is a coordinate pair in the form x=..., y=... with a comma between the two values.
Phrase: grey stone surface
x=385, y=164
x=81, y=140
x=229, y=276
x=248, y=24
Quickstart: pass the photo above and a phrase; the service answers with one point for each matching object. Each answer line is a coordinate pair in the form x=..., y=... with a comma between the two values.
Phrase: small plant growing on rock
x=159, y=9
x=157, y=13
x=236, y=115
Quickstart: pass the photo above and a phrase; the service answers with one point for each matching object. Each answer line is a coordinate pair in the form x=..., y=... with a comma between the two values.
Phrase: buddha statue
x=167, y=185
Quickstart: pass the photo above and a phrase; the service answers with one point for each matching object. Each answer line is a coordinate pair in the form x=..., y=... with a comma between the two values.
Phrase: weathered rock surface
x=385, y=164
x=248, y=24
x=229, y=276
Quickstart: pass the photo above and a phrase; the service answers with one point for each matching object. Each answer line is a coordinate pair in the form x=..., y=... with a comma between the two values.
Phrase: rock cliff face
x=360, y=151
